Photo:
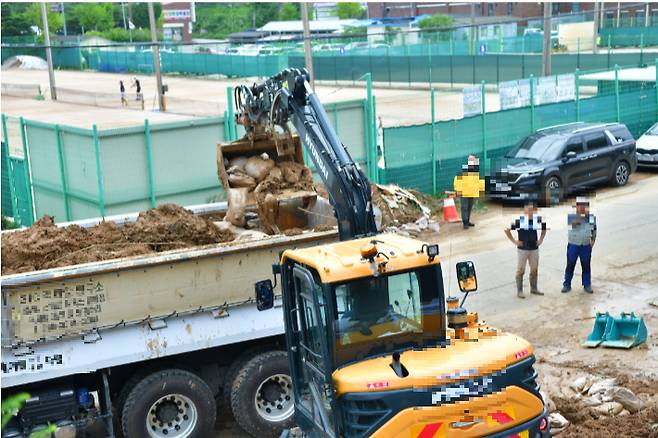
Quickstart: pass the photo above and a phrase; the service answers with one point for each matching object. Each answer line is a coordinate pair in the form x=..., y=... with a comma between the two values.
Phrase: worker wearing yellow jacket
x=468, y=187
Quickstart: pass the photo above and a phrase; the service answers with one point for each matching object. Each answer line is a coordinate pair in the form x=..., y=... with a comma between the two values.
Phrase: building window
x=490, y=9
x=510, y=8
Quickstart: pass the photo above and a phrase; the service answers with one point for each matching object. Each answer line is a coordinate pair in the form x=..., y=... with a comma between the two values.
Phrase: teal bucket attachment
x=596, y=337
x=627, y=331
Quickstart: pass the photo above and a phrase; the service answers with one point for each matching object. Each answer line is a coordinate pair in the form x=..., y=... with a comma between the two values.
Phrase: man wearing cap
x=582, y=236
x=528, y=244
x=468, y=187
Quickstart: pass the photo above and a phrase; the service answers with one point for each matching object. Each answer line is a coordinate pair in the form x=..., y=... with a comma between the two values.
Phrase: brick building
x=178, y=19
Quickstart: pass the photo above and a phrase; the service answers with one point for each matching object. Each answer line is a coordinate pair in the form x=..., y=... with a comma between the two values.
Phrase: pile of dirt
x=640, y=424
x=45, y=246
x=397, y=206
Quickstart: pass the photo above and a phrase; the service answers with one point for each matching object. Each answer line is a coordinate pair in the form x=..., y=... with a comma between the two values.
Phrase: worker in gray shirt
x=582, y=236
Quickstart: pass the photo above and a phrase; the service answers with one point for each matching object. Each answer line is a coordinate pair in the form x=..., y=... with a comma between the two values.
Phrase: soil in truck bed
x=46, y=246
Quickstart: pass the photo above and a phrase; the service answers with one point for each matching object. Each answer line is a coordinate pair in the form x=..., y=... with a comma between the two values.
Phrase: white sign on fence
x=548, y=89
x=472, y=101
x=566, y=87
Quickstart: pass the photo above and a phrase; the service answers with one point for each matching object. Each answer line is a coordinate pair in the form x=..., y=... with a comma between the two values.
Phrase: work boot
x=566, y=289
x=589, y=290
x=536, y=292
x=471, y=224
x=520, y=294
x=466, y=226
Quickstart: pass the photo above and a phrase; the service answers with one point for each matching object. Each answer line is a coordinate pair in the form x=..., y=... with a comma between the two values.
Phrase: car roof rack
x=598, y=125
x=560, y=126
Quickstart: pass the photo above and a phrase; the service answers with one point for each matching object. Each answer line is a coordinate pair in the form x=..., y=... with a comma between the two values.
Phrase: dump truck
x=149, y=342
x=372, y=349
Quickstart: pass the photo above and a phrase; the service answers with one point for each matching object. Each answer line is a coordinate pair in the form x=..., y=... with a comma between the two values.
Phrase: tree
x=349, y=10
x=140, y=13
x=437, y=21
x=32, y=16
x=292, y=11
x=13, y=19
x=94, y=16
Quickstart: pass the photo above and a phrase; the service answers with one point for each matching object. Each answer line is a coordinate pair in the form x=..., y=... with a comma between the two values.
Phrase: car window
x=575, y=144
x=621, y=133
x=537, y=147
x=596, y=140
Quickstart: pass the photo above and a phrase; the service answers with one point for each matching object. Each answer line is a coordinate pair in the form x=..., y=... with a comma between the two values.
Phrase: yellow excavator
x=374, y=346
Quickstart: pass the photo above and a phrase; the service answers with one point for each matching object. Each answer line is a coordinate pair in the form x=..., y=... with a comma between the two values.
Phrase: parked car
x=553, y=161
x=647, y=148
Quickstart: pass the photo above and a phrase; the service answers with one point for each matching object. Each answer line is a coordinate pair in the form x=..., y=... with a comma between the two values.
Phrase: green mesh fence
x=82, y=173
x=629, y=36
x=408, y=150
x=18, y=208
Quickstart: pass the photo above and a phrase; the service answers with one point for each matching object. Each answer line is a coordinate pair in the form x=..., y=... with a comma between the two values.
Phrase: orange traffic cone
x=450, y=210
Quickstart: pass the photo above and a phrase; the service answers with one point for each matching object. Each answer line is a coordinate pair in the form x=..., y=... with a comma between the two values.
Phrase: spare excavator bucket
x=596, y=337
x=625, y=331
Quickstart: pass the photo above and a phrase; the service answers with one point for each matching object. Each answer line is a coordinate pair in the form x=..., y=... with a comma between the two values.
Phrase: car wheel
x=553, y=190
x=169, y=403
x=621, y=174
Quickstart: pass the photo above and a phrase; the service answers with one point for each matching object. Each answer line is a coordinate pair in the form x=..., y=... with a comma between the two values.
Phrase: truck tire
x=169, y=403
x=122, y=397
x=261, y=397
x=233, y=371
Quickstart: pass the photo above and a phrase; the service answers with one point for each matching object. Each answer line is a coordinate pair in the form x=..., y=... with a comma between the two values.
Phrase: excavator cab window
x=378, y=315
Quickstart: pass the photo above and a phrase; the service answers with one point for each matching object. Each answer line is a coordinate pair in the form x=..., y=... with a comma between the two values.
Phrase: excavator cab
x=372, y=351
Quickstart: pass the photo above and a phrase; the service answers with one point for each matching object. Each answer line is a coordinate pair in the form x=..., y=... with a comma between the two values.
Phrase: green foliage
x=121, y=35
x=289, y=11
x=94, y=16
x=13, y=19
x=11, y=405
x=140, y=13
x=437, y=21
x=32, y=16
x=346, y=10
x=220, y=20
x=8, y=224
x=355, y=30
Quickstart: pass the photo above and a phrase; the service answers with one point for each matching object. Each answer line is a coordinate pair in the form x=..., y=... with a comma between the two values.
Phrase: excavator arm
x=288, y=98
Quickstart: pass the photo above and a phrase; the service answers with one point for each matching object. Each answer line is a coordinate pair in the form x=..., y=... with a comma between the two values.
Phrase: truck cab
x=373, y=351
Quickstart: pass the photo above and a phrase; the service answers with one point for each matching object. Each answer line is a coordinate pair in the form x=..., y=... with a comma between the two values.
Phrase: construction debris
x=45, y=245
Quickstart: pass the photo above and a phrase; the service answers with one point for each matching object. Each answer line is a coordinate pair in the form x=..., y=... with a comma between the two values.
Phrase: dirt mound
x=640, y=424
x=398, y=206
x=45, y=246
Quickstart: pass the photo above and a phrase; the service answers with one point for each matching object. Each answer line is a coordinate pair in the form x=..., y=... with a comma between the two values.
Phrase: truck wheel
x=233, y=371
x=261, y=397
x=169, y=403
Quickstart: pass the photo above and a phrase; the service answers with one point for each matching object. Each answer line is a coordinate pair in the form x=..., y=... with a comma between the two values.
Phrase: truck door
x=312, y=386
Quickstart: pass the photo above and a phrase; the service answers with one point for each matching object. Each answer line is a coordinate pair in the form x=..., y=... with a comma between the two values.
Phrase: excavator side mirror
x=264, y=295
x=466, y=277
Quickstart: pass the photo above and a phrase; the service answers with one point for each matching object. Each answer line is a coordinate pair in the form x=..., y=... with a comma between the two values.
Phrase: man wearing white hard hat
x=582, y=236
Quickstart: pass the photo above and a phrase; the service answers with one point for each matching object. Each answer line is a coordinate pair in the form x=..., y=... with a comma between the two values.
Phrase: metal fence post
x=578, y=53
x=429, y=54
x=484, y=131
x=375, y=136
x=617, y=92
x=149, y=161
x=27, y=170
x=432, y=93
x=62, y=172
x=577, y=78
x=10, y=174
x=231, y=117
x=609, y=35
x=641, y=48
x=388, y=59
x=532, y=103
x=99, y=171
x=656, y=86
x=368, y=123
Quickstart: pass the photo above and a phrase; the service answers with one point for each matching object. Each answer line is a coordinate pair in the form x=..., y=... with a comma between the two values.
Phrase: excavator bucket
x=626, y=331
x=596, y=337
x=278, y=211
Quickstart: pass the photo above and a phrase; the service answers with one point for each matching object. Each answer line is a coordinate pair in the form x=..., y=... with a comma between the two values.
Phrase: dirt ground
x=403, y=105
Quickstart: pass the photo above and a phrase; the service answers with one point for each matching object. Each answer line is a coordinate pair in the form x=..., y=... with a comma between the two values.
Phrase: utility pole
x=61, y=5
x=646, y=15
x=49, y=54
x=123, y=14
x=618, y=13
x=595, y=37
x=307, y=43
x=156, y=55
x=473, y=28
x=546, y=52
